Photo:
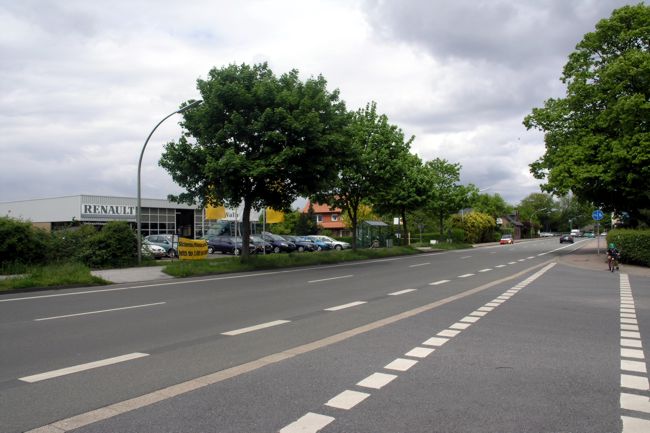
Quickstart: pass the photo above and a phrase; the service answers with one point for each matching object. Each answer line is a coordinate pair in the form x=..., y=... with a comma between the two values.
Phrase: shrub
x=115, y=245
x=20, y=242
x=69, y=244
x=634, y=245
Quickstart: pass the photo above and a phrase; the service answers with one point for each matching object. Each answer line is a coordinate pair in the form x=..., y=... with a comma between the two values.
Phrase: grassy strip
x=56, y=275
x=276, y=261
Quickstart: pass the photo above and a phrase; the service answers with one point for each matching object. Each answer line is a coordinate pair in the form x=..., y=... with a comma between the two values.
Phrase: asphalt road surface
x=497, y=339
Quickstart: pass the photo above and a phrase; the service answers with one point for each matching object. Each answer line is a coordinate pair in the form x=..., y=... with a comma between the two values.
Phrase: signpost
x=597, y=215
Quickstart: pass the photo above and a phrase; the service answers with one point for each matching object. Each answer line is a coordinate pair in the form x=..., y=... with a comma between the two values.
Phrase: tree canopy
x=598, y=136
x=258, y=139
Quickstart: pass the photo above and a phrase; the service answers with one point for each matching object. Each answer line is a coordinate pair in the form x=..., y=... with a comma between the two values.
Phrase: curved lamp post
x=138, y=216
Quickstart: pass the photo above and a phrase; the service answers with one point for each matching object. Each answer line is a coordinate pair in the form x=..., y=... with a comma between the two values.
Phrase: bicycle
x=612, y=262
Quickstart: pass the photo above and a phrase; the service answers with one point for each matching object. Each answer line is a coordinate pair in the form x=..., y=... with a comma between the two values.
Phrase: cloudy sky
x=82, y=83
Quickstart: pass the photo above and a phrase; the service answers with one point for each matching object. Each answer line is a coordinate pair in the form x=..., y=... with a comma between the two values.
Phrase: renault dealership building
x=159, y=216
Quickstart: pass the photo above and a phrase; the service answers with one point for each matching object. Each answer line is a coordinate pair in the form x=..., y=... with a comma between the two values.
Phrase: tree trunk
x=246, y=231
x=353, y=219
x=406, y=231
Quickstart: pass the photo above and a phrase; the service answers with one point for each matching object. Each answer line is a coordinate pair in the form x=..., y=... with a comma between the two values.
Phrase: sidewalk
x=587, y=257
x=132, y=275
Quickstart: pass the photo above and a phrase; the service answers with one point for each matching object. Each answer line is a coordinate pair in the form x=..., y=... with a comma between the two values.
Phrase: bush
x=20, y=242
x=634, y=245
x=70, y=244
x=115, y=245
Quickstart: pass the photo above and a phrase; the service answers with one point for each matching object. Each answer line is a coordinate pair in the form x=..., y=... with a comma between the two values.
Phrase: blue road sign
x=597, y=215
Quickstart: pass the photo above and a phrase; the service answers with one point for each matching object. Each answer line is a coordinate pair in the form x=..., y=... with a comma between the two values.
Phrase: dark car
x=320, y=244
x=227, y=245
x=301, y=243
x=566, y=238
x=261, y=246
x=279, y=243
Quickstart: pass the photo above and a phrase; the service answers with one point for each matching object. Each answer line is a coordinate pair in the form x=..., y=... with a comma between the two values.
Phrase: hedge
x=634, y=245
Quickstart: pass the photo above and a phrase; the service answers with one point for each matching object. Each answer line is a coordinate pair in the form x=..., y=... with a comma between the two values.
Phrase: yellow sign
x=192, y=249
x=274, y=216
x=215, y=213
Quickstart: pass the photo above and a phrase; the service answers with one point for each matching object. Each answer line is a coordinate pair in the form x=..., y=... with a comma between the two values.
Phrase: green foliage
x=260, y=139
x=491, y=204
x=58, y=275
x=20, y=242
x=476, y=226
x=115, y=245
x=70, y=244
x=306, y=224
x=598, y=137
x=446, y=195
x=634, y=245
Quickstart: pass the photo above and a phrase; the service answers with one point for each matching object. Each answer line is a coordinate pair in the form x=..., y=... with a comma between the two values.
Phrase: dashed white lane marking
x=628, y=327
x=634, y=382
x=256, y=327
x=435, y=341
x=98, y=312
x=439, y=282
x=632, y=353
x=344, y=306
x=401, y=292
x=401, y=364
x=347, y=399
x=465, y=275
x=377, y=380
x=512, y=263
x=635, y=425
x=486, y=309
x=477, y=313
x=81, y=367
x=521, y=260
x=471, y=319
x=630, y=334
x=625, y=342
x=330, y=279
x=309, y=423
x=419, y=352
x=448, y=333
x=461, y=326
x=419, y=264
x=486, y=270
x=639, y=403
x=493, y=304
x=500, y=266
x=530, y=257
x=631, y=321
x=635, y=366
x=465, y=257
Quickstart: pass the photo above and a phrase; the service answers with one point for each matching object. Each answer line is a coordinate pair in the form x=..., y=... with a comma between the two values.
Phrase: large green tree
x=376, y=152
x=598, y=136
x=258, y=139
x=446, y=195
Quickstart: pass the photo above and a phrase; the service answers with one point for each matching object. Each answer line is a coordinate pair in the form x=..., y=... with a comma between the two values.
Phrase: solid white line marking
x=448, y=333
x=419, y=352
x=419, y=264
x=636, y=366
x=401, y=364
x=256, y=327
x=309, y=423
x=632, y=353
x=81, y=367
x=344, y=306
x=465, y=275
x=347, y=399
x=435, y=341
x=634, y=382
x=486, y=270
x=330, y=279
x=98, y=312
x=639, y=403
x=401, y=292
x=635, y=425
x=439, y=282
x=377, y=380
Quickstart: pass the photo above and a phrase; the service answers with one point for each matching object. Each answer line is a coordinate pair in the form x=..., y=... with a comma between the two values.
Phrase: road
x=496, y=339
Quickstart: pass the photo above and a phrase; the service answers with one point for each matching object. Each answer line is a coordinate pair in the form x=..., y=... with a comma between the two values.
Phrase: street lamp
x=531, y=220
x=139, y=211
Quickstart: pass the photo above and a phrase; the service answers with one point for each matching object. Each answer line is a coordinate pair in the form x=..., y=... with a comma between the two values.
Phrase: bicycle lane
x=536, y=354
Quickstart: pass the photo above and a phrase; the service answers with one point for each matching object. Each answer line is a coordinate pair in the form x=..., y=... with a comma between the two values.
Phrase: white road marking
x=344, y=306
x=639, y=403
x=486, y=309
x=419, y=352
x=521, y=260
x=493, y=304
x=401, y=292
x=627, y=327
x=401, y=364
x=630, y=334
x=632, y=353
x=448, y=333
x=347, y=399
x=330, y=279
x=628, y=315
x=634, y=382
x=419, y=264
x=435, y=341
x=636, y=366
x=439, y=282
x=465, y=257
x=461, y=326
x=512, y=263
x=308, y=423
x=465, y=275
x=531, y=257
x=500, y=266
x=98, y=312
x=81, y=367
x=377, y=380
x=256, y=327
x=635, y=425
x=630, y=321
x=470, y=319
x=630, y=343
x=486, y=270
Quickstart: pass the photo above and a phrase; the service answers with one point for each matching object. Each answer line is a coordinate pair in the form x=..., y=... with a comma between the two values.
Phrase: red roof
x=320, y=208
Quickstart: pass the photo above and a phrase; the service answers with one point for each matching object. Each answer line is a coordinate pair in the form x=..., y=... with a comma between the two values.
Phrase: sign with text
x=192, y=249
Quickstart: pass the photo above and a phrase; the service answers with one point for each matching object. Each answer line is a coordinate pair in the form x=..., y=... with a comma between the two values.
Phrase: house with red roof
x=328, y=218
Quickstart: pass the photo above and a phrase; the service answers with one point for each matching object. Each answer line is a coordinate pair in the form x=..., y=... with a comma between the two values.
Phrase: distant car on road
x=566, y=238
x=506, y=239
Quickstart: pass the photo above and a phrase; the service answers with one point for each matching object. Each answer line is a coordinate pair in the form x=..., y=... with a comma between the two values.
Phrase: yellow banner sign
x=192, y=249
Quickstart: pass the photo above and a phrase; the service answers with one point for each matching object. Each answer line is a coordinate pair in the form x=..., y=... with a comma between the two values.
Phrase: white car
x=153, y=250
x=337, y=245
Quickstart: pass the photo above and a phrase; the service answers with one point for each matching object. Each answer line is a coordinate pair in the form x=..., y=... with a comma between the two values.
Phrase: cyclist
x=613, y=256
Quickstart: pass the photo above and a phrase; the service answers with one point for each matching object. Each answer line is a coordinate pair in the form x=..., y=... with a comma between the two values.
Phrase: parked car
x=168, y=242
x=261, y=246
x=301, y=243
x=506, y=239
x=566, y=238
x=228, y=245
x=337, y=245
x=320, y=244
x=279, y=243
x=152, y=250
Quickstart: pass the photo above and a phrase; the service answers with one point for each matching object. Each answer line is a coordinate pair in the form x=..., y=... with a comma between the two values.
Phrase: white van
x=576, y=233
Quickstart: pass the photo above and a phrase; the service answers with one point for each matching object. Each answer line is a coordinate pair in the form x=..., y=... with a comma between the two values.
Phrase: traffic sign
x=597, y=215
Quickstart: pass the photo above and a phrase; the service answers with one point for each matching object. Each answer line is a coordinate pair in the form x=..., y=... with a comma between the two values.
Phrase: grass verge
x=276, y=261
x=55, y=275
